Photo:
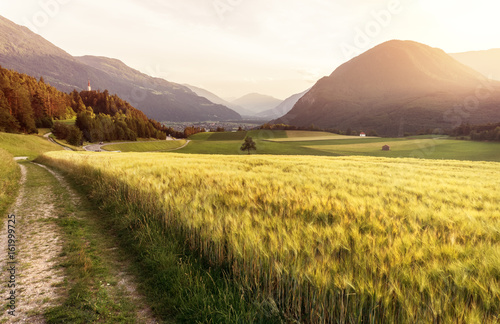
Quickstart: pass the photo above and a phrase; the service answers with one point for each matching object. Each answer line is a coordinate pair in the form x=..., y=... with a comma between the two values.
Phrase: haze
x=235, y=47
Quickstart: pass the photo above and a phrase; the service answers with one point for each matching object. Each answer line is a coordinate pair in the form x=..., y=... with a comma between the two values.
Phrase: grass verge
x=9, y=180
x=92, y=294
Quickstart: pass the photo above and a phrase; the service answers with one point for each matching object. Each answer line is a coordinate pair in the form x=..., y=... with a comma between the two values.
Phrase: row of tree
x=27, y=104
x=487, y=132
x=314, y=128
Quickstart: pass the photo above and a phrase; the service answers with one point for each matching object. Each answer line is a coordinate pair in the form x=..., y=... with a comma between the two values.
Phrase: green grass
x=26, y=145
x=227, y=136
x=157, y=146
x=9, y=181
x=327, y=144
x=442, y=149
x=230, y=143
x=307, y=239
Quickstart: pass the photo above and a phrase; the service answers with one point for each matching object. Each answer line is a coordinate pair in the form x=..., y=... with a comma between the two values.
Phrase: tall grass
x=9, y=180
x=325, y=240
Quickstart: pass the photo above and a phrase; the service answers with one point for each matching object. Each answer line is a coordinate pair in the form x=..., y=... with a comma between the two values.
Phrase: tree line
x=487, y=132
x=27, y=104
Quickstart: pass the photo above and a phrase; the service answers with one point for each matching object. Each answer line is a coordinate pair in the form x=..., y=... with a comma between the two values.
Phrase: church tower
x=89, y=88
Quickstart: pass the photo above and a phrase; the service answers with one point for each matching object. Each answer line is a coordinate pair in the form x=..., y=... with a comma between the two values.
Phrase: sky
x=236, y=47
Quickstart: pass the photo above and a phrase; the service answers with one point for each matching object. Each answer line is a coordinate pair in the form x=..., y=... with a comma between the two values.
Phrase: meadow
x=313, y=239
x=328, y=144
x=153, y=146
x=30, y=146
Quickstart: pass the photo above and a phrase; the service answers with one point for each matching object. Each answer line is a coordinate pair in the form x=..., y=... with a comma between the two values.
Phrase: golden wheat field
x=343, y=240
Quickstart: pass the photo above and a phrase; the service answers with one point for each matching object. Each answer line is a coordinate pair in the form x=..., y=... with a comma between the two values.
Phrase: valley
x=369, y=195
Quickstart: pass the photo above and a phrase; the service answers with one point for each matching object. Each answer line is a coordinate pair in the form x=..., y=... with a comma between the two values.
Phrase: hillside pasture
x=26, y=145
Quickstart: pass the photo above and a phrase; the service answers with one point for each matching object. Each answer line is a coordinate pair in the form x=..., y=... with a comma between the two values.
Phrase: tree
x=248, y=145
x=60, y=130
x=75, y=136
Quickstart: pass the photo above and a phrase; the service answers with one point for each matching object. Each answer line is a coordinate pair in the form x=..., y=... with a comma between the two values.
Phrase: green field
x=153, y=146
x=26, y=145
x=328, y=144
x=299, y=136
x=230, y=143
x=312, y=239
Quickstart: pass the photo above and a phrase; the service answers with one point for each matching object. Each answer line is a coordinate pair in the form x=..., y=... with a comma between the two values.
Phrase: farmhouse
x=362, y=134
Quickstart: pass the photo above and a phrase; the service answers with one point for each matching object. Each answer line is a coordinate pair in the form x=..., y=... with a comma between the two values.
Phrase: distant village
x=214, y=125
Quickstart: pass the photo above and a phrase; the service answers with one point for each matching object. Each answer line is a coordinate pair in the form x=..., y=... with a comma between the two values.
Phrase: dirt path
x=37, y=278
x=183, y=146
x=47, y=136
x=40, y=278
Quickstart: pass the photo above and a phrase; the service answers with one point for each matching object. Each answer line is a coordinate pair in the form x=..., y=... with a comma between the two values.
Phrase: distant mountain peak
x=255, y=103
x=397, y=85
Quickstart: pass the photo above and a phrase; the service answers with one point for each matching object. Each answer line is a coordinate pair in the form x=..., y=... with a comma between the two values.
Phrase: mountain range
x=397, y=87
x=283, y=108
x=255, y=103
x=29, y=53
x=216, y=99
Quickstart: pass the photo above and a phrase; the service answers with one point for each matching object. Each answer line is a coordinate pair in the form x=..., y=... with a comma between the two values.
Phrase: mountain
x=213, y=97
x=397, y=87
x=26, y=52
x=27, y=104
x=486, y=62
x=283, y=108
x=255, y=103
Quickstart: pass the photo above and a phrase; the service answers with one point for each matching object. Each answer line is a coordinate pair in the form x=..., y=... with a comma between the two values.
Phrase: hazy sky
x=234, y=47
